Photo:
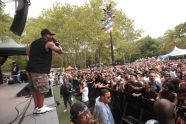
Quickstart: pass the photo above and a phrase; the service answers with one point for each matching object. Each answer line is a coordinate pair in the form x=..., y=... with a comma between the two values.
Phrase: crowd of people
x=134, y=88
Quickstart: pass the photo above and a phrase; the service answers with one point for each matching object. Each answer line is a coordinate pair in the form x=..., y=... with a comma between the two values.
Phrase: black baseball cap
x=46, y=31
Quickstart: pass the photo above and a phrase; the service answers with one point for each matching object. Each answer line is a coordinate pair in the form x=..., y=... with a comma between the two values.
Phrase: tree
x=5, y=22
x=174, y=37
x=149, y=47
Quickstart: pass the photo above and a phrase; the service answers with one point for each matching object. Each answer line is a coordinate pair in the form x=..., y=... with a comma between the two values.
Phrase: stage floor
x=12, y=108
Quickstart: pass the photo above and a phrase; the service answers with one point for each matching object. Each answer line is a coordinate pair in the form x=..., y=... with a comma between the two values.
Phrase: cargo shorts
x=38, y=83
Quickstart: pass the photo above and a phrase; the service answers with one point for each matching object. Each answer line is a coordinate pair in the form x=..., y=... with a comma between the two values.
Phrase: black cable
x=17, y=111
x=18, y=114
x=24, y=111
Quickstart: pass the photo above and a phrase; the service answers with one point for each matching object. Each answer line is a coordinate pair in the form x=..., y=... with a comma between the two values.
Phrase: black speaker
x=26, y=92
x=20, y=17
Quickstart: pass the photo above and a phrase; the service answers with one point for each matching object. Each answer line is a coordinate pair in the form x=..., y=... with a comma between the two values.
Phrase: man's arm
x=53, y=47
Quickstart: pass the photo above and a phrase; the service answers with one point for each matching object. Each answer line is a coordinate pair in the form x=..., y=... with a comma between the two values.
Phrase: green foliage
x=20, y=60
x=174, y=37
x=149, y=47
x=5, y=22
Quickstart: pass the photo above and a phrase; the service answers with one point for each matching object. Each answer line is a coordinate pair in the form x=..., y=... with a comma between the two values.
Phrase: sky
x=154, y=17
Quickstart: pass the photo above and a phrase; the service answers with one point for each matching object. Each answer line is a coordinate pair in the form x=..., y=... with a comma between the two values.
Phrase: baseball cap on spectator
x=46, y=31
x=77, y=110
x=152, y=121
x=133, y=74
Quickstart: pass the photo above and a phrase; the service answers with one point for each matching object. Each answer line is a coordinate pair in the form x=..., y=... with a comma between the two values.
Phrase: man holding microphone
x=38, y=67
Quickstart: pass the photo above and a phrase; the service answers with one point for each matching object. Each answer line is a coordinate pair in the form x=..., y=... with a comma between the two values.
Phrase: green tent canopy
x=9, y=47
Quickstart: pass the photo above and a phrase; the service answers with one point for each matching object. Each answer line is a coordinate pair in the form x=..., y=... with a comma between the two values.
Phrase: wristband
x=56, y=43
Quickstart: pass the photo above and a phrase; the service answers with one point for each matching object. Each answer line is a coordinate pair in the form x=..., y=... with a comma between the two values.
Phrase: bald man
x=165, y=111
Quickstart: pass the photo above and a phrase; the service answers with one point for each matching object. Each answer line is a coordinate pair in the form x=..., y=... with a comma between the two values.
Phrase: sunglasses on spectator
x=108, y=97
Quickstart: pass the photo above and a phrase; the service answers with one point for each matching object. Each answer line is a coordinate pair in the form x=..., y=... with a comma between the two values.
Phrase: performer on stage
x=38, y=67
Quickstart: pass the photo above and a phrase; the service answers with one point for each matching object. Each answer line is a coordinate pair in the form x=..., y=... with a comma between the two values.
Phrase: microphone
x=56, y=42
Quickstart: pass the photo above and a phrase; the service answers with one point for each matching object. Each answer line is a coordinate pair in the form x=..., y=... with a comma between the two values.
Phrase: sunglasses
x=108, y=97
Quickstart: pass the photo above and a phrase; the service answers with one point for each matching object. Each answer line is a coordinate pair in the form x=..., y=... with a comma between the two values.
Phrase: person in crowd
x=179, y=74
x=66, y=93
x=156, y=86
x=15, y=73
x=85, y=91
x=121, y=85
x=181, y=116
x=165, y=111
x=148, y=93
x=38, y=67
x=51, y=78
x=183, y=82
x=126, y=76
x=102, y=111
x=133, y=86
x=80, y=114
x=169, y=90
x=56, y=79
x=60, y=78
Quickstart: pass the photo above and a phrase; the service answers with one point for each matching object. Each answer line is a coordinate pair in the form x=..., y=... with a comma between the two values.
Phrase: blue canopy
x=175, y=52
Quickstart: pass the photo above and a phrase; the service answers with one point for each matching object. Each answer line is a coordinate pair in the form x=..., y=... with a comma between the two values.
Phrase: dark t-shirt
x=148, y=94
x=66, y=89
x=130, y=90
x=15, y=70
x=39, y=59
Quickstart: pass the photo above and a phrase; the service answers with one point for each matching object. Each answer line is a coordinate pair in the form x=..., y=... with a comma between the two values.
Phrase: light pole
x=111, y=47
x=108, y=23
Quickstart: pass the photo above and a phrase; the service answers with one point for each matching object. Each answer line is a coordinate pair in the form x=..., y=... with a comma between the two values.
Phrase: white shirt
x=85, y=94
